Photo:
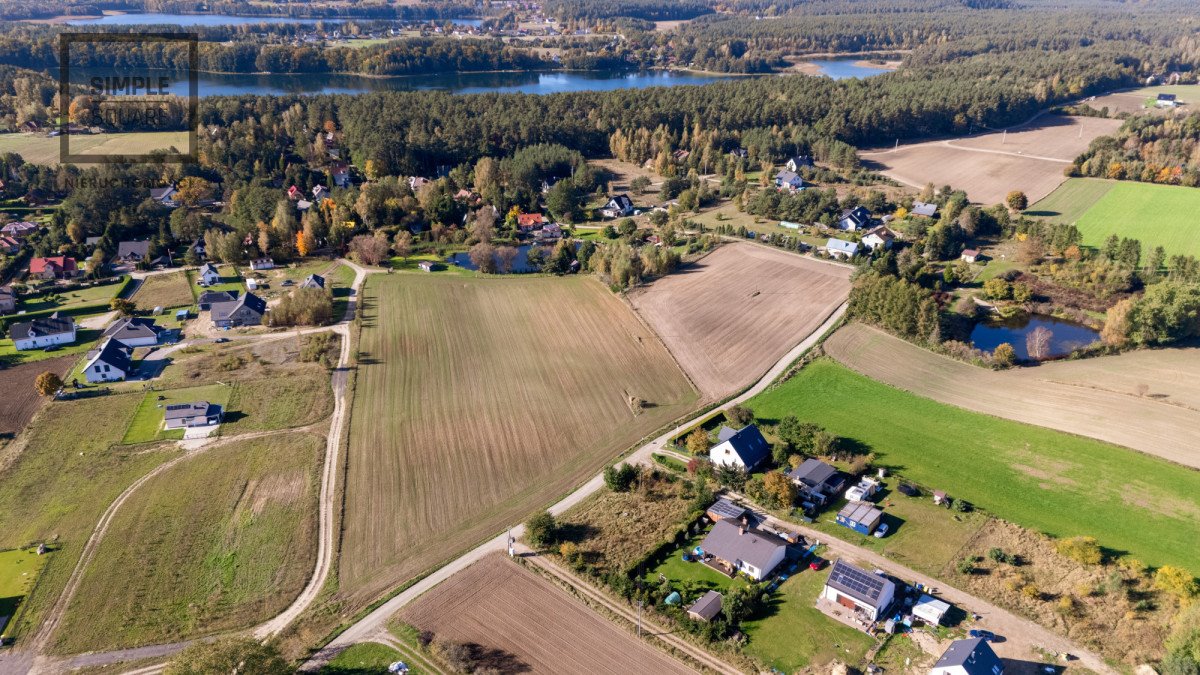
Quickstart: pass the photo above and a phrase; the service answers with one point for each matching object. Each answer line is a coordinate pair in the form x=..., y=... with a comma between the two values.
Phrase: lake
x=154, y=18
x=1066, y=336
x=840, y=69
x=278, y=84
x=520, y=263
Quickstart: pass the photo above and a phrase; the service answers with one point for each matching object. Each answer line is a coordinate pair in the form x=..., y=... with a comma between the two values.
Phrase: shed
x=971, y=255
x=930, y=610
x=707, y=607
x=725, y=509
x=862, y=517
x=181, y=315
x=426, y=265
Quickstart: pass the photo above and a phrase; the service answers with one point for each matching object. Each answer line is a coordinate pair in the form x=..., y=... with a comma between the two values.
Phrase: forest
x=1149, y=149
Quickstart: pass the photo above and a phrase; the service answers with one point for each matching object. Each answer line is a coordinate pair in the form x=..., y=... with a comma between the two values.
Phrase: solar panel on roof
x=866, y=584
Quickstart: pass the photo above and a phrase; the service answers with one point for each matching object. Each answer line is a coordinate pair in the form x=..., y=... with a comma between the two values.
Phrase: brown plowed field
x=732, y=315
x=529, y=626
x=1030, y=158
x=1090, y=398
x=20, y=401
x=478, y=401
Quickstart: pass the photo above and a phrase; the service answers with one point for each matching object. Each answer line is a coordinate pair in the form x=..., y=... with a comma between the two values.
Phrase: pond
x=840, y=69
x=1065, y=336
x=155, y=18
x=279, y=84
x=520, y=263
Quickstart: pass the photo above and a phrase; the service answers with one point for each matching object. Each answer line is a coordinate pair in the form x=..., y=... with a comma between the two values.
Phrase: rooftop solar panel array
x=853, y=580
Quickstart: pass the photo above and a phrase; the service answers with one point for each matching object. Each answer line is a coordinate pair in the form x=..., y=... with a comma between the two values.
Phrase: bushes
x=1083, y=550
x=622, y=479
x=541, y=529
x=303, y=307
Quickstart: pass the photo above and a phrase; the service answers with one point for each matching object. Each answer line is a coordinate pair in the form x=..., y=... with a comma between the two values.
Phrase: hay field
x=1059, y=396
x=478, y=401
x=38, y=149
x=527, y=625
x=217, y=542
x=169, y=290
x=1030, y=158
x=731, y=316
x=1156, y=215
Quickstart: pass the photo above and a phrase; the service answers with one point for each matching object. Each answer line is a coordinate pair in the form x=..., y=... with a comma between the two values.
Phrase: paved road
x=375, y=624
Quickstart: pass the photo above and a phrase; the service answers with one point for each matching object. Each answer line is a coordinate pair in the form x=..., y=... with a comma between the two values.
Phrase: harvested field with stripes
x=1100, y=398
x=523, y=624
x=478, y=401
x=732, y=315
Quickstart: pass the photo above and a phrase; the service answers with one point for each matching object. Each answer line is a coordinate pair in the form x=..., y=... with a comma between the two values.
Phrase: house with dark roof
x=132, y=252
x=313, y=281
x=818, y=481
x=9, y=245
x=195, y=414
x=247, y=310
x=8, y=300
x=43, y=332
x=799, y=162
x=852, y=220
x=134, y=331
x=164, y=196
x=745, y=448
x=789, y=181
x=706, y=608
x=618, y=206
x=858, y=590
x=862, y=517
x=209, y=298
x=110, y=363
x=743, y=549
x=968, y=657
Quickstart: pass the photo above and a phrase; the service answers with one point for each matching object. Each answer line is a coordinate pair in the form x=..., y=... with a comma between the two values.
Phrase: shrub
x=697, y=442
x=1065, y=606
x=961, y=505
x=303, y=307
x=998, y=555
x=740, y=415
x=1177, y=582
x=1082, y=550
x=541, y=529
x=454, y=654
x=1031, y=591
x=622, y=479
x=966, y=566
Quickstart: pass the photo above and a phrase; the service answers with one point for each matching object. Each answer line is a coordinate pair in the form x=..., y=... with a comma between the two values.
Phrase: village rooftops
x=222, y=311
x=133, y=328
x=856, y=583
x=732, y=543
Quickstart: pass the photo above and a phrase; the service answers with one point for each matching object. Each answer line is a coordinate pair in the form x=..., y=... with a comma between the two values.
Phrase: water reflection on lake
x=1066, y=336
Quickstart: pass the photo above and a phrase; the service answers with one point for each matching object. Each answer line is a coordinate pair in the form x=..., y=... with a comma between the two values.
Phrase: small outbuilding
x=862, y=517
x=971, y=255
x=725, y=509
x=707, y=607
x=930, y=610
x=426, y=265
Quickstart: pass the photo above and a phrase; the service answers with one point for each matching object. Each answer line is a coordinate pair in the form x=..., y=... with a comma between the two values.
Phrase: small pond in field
x=520, y=264
x=1065, y=336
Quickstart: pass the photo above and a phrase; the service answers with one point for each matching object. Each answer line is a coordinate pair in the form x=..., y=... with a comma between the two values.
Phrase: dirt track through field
x=731, y=315
x=1076, y=397
x=528, y=625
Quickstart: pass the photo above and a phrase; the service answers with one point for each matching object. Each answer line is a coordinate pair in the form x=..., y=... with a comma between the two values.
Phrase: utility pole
x=1004, y=138
x=639, y=619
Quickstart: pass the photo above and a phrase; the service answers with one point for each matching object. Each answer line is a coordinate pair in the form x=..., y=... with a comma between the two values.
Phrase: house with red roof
x=529, y=221
x=56, y=267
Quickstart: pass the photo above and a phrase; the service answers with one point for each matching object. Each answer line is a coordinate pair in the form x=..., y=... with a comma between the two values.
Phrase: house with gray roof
x=924, y=209
x=789, y=181
x=110, y=363
x=744, y=549
x=8, y=300
x=858, y=590
x=209, y=298
x=817, y=480
x=195, y=414
x=744, y=449
x=313, y=281
x=248, y=310
x=42, y=332
x=132, y=252
x=841, y=249
x=968, y=657
x=208, y=275
x=707, y=607
x=135, y=331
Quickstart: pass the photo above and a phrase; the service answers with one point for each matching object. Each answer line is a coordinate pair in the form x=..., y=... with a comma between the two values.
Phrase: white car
x=881, y=531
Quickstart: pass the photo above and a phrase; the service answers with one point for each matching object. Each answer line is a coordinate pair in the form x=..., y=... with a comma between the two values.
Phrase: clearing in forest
x=478, y=401
x=523, y=624
x=729, y=317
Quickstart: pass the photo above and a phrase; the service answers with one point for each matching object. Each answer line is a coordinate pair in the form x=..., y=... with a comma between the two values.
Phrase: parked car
x=816, y=564
x=882, y=531
x=980, y=633
x=52, y=348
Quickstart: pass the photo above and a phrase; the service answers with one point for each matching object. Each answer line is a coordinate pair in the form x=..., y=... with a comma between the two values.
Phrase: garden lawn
x=221, y=540
x=230, y=280
x=695, y=575
x=795, y=634
x=96, y=297
x=363, y=658
x=1045, y=480
x=85, y=338
x=147, y=422
x=19, y=569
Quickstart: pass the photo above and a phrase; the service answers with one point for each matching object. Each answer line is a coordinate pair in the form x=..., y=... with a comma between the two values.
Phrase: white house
x=970, y=255
x=195, y=414
x=743, y=549
x=43, y=332
x=857, y=218
x=1166, y=101
x=968, y=657
x=878, y=238
x=110, y=363
x=858, y=590
x=799, y=162
x=618, y=207
x=839, y=248
x=134, y=332
x=260, y=264
x=744, y=449
x=208, y=274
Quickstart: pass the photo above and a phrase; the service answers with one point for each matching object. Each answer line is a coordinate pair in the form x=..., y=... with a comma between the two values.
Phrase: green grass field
x=364, y=658
x=38, y=149
x=1156, y=215
x=1045, y=480
x=67, y=475
x=221, y=540
x=147, y=422
x=19, y=569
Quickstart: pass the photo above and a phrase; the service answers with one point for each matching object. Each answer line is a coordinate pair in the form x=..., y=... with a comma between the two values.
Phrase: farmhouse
x=195, y=414
x=19, y=229
x=745, y=449
x=260, y=264
x=879, y=237
x=208, y=275
x=706, y=608
x=930, y=610
x=313, y=281
x=1166, y=101
x=789, y=181
x=862, y=517
x=968, y=657
x=839, y=248
x=209, y=298
x=724, y=509
x=110, y=363
x=132, y=252
x=8, y=300
x=742, y=549
x=924, y=209
x=817, y=480
x=858, y=590
x=530, y=221
x=43, y=332
x=799, y=162
x=134, y=332
x=971, y=255
x=247, y=310
x=852, y=220
x=618, y=207
x=57, y=267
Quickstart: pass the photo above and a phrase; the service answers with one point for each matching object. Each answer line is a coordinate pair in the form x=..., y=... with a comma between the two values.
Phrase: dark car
x=52, y=348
